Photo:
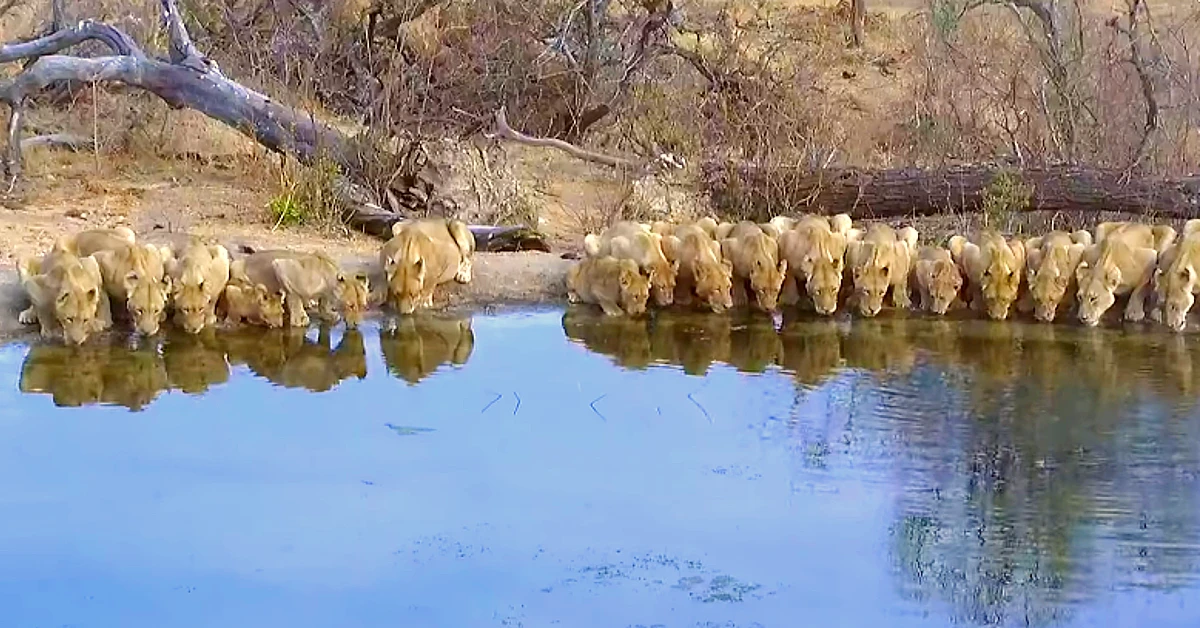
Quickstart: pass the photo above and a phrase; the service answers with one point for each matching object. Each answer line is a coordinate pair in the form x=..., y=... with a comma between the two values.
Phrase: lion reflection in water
x=95, y=374
x=415, y=346
x=813, y=350
x=133, y=377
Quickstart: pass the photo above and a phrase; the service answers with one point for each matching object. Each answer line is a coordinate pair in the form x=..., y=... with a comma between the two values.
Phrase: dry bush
x=996, y=85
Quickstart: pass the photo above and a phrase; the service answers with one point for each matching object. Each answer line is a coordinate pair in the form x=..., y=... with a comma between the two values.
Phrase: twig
x=697, y=404
x=491, y=403
x=518, y=406
x=592, y=405
x=504, y=131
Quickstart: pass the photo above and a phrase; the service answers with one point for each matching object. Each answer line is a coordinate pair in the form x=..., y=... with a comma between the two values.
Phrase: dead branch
x=1138, y=60
x=506, y=132
x=70, y=142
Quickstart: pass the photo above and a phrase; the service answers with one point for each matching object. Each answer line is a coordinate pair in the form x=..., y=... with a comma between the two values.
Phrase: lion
x=625, y=340
x=1157, y=237
x=252, y=303
x=757, y=264
x=631, y=240
x=309, y=280
x=1050, y=263
x=879, y=261
x=198, y=279
x=1174, y=281
x=423, y=254
x=993, y=269
x=815, y=249
x=134, y=274
x=938, y=279
x=66, y=294
x=1122, y=262
x=616, y=285
x=703, y=273
x=194, y=361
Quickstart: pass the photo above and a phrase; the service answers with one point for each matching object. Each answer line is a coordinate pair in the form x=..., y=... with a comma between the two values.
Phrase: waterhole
x=560, y=468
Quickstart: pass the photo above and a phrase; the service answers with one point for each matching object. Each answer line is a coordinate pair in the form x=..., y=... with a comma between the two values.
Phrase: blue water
x=889, y=473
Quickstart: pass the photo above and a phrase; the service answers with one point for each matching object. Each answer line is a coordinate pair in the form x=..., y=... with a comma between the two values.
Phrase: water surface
x=550, y=468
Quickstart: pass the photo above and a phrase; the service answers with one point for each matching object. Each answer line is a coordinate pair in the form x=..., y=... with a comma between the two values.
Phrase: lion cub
x=938, y=279
x=1174, y=283
x=423, y=254
x=815, y=249
x=66, y=293
x=631, y=240
x=703, y=273
x=616, y=285
x=993, y=269
x=1122, y=262
x=880, y=261
x=1050, y=263
x=252, y=303
x=198, y=278
x=757, y=264
x=134, y=274
x=308, y=280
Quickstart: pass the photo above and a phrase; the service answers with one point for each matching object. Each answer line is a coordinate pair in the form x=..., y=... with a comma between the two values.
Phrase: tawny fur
x=134, y=274
x=66, y=293
x=423, y=254
x=1122, y=262
x=615, y=284
x=255, y=304
x=198, y=278
x=631, y=240
x=1050, y=263
x=310, y=280
x=880, y=260
x=758, y=268
x=938, y=279
x=993, y=269
x=815, y=250
x=704, y=274
x=1175, y=278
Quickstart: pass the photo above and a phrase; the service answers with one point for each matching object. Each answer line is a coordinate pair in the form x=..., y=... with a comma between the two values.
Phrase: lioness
x=703, y=273
x=938, y=279
x=815, y=249
x=423, y=254
x=993, y=269
x=198, y=278
x=66, y=293
x=630, y=240
x=1157, y=237
x=1175, y=284
x=1050, y=264
x=134, y=274
x=757, y=264
x=880, y=261
x=253, y=303
x=616, y=285
x=308, y=280
x=1121, y=263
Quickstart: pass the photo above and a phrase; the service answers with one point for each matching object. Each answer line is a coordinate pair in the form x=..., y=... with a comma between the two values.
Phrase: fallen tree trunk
x=189, y=80
x=763, y=191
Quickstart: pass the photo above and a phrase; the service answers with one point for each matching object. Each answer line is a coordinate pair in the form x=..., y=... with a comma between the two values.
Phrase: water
x=694, y=471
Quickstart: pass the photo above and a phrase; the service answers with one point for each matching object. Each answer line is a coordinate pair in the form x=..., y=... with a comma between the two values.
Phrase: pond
x=558, y=468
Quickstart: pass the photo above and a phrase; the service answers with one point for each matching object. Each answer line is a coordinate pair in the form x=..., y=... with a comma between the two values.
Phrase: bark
x=188, y=79
x=858, y=19
x=764, y=191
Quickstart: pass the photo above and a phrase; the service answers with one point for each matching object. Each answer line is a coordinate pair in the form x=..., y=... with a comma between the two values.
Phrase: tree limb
x=1146, y=82
x=504, y=131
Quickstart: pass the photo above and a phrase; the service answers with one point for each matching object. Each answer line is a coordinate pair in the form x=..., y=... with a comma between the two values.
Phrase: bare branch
x=87, y=30
x=74, y=143
x=181, y=49
x=1137, y=59
x=504, y=131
